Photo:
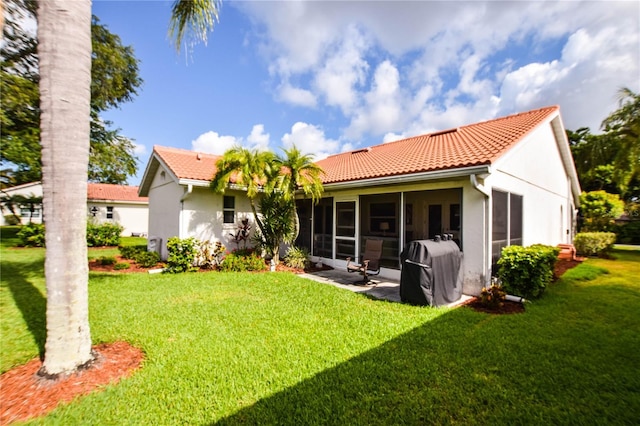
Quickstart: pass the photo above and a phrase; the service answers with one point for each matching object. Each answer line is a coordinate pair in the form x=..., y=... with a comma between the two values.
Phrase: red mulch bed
x=25, y=395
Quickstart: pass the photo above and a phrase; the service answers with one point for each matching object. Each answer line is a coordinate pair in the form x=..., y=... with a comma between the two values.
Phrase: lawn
x=274, y=348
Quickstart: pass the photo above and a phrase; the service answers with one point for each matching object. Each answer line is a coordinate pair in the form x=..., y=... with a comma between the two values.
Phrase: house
x=501, y=182
x=119, y=204
x=105, y=203
x=182, y=205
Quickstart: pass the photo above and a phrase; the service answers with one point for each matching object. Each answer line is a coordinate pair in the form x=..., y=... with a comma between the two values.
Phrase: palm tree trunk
x=64, y=50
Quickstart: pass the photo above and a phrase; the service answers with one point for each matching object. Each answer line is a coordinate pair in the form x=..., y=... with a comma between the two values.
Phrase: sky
x=332, y=76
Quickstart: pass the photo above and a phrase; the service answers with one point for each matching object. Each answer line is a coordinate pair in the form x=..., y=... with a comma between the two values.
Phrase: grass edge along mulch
x=25, y=395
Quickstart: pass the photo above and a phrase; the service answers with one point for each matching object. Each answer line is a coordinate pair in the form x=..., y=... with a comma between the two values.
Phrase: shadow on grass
x=466, y=367
x=407, y=380
x=28, y=298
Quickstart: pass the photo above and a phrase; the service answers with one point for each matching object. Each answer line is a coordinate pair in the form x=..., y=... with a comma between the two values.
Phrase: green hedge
x=31, y=235
x=527, y=271
x=593, y=243
x=105, y=234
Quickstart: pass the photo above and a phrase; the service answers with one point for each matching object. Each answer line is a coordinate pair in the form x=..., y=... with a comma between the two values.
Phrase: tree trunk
x=64, y=50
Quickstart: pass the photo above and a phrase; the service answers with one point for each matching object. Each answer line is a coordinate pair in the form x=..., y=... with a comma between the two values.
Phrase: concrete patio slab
x=379, y=288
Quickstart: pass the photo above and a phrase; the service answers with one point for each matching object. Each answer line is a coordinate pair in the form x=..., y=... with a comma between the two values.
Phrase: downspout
x=485, y=220
x=187, y=193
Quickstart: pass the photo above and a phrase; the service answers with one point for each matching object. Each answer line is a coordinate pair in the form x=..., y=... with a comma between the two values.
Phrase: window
x=506, y=222
x=228, y=209
x=109, y=212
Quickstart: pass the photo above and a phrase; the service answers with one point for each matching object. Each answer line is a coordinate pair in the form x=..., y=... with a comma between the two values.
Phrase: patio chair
x=370, y=261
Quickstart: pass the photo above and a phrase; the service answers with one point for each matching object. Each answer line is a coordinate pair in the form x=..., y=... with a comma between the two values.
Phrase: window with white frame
x=109, y=212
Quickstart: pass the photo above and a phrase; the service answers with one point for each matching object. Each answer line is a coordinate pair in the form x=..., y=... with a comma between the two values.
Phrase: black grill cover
x=431, y=273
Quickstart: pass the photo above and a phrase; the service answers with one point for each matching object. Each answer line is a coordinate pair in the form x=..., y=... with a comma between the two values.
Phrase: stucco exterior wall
x=534, y=169
x=164, y=208
x=133, y=217
x=202, y=217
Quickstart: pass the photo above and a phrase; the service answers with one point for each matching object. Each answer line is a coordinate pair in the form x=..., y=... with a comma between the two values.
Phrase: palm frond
x=195, y=18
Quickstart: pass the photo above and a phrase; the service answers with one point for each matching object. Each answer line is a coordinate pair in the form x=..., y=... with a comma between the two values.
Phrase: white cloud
x=399, y=69
x=213, y=143
x=297, y=96
x=258, y=138
x=139, y=149
x=382, y=109
x=343, y=71
x=310, y=139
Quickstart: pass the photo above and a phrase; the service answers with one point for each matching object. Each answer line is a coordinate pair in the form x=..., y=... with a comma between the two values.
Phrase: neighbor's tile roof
x=471, y=145
x=186, y=164
x=104, y=191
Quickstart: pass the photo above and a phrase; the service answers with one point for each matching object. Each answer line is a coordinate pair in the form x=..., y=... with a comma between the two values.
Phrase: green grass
x=274, y=348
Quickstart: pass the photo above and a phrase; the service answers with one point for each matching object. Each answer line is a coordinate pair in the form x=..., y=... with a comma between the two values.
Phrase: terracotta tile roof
x=187, y=164
x=104, y=191
x=471, y=145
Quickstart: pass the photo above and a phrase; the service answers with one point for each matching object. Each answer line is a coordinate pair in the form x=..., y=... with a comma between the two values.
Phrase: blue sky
x=334, y=76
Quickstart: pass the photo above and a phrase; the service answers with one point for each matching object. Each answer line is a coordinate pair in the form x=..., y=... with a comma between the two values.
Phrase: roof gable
x=472, y=145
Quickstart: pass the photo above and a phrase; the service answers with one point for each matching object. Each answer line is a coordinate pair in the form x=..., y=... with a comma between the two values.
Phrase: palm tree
x=65, y=81
x=249, y=168
x=64, y=51
x=299, y=172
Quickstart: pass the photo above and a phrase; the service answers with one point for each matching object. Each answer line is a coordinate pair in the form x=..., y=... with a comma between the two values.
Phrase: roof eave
x=411, y=178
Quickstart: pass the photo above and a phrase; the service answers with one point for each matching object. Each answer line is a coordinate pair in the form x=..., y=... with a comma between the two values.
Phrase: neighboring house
x=119, y=204
x=25, y=213
x=182, y=205
x=492, y=184
x=105, y=203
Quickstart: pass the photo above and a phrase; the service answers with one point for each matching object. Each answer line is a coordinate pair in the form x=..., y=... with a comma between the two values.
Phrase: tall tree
x=114, y=80
x=65, y=95
x=611, y=161
x=623, y=125
x=64, y=35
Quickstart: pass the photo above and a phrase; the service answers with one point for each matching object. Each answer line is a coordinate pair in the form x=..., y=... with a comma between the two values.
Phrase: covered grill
x=431, y=272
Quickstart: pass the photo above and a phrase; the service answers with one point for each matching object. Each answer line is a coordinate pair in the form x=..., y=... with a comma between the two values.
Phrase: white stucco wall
x=134, y=217
x=164, y=209
x=202, y=217
x=534, y=169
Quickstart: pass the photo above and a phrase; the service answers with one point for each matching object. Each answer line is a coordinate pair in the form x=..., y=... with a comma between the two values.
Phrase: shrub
x=107, y=260
x=526, y=271
x=105, y=234
x=297, y=257
x=130, y=252
x=122, y=265
x=593, y=243
x=599, y=209
x=147, y=259
x=242, y=262
x=208, y=255
x=31, y=235
x=493, y=297
x=629, y=233
x=182, y=253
